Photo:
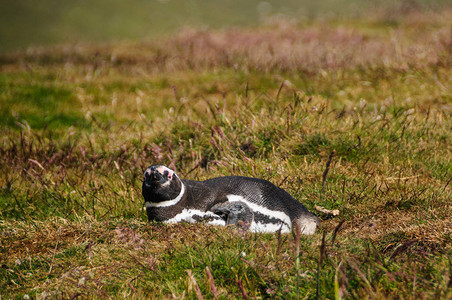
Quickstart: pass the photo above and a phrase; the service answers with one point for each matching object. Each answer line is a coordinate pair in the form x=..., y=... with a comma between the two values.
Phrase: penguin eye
x=166, y=173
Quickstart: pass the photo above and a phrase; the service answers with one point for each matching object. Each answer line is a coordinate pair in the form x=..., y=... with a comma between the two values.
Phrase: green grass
x=80, y=124
x=26, y=23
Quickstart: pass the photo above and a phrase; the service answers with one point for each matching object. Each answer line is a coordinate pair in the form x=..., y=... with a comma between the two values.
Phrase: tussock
x=276, y=102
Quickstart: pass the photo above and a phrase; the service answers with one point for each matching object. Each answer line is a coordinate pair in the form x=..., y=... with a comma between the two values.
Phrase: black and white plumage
x=223, y=201
x=234, y=212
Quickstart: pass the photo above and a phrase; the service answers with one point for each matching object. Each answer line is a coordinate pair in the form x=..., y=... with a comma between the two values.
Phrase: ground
x=349, y=115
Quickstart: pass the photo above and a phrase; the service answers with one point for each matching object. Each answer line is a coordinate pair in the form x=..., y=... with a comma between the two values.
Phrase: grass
x=54, y=22
x=370, y=98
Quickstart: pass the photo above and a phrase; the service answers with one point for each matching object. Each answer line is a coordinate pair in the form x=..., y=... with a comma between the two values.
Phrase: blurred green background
x=26, y=23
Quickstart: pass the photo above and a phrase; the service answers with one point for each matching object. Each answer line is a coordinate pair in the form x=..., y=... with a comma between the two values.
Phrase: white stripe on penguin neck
x=168, y=202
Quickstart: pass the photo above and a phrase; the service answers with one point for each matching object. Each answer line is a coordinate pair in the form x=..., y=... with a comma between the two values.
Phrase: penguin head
x=160, y=183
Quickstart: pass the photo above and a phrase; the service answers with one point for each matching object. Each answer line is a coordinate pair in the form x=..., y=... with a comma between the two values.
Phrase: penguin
x=223, y=201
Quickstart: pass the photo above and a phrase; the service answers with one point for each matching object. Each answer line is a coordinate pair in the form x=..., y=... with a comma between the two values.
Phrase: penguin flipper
x=234, y=212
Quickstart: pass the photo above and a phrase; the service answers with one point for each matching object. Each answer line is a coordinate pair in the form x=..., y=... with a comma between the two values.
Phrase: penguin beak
x=152, y=176
x=155, y=175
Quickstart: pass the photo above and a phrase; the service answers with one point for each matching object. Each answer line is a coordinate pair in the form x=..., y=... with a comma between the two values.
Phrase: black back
x=261, y=192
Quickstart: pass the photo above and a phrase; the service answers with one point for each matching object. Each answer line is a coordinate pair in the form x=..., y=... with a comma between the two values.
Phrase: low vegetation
x=353, y=116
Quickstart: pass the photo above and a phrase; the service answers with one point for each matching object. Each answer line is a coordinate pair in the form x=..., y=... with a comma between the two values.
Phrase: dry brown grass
x=272, y=103
x=419, y=40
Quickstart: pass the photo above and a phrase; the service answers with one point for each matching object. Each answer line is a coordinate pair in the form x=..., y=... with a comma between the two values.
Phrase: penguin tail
x=307, y=224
